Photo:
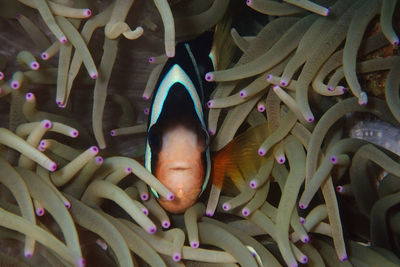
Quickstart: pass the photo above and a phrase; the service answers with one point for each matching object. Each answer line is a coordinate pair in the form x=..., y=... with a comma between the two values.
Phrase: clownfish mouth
x=180, y=168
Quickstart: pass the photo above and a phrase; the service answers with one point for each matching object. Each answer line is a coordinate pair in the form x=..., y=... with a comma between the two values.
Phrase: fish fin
x=219, y=167
x=239, y=159
x=224, y=172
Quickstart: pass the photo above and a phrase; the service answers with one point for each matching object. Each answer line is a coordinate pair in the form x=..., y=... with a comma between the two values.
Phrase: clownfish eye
x=155, y=141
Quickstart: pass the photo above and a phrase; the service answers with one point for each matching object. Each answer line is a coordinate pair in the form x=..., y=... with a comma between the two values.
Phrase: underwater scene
x=199, y=133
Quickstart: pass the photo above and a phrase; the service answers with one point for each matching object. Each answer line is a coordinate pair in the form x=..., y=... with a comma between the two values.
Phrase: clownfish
x=177, y=143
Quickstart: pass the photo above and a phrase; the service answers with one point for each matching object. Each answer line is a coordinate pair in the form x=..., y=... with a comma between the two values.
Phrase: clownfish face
x=180, y=167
